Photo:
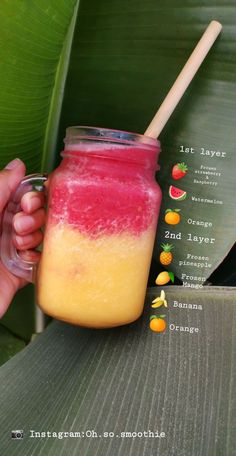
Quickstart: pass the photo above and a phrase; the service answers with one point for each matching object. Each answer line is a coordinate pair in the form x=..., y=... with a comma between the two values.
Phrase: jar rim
x=87, y=133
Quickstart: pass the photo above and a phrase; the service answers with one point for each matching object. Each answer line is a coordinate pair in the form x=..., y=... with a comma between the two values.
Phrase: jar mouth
x=76, y=134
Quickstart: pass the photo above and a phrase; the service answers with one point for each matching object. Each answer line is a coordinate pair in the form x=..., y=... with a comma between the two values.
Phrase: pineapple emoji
x=166, y=256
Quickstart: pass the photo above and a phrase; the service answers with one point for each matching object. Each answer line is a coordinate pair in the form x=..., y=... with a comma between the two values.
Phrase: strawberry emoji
x=179, y=170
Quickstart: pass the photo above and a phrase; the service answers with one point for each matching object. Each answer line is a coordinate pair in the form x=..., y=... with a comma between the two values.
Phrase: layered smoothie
x=99, y=237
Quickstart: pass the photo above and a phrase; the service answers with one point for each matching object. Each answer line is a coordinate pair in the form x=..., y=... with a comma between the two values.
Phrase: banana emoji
x=160, y=300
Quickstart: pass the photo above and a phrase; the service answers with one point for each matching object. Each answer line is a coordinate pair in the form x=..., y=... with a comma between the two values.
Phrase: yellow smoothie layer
x=94, y=282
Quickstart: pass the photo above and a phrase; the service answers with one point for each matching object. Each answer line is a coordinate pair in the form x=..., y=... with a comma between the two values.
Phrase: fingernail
x=23, y=223
x=32, y=204
x=19, y=240
x=13, y=164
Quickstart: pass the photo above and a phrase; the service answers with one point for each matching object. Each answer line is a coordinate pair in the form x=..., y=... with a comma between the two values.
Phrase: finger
x=7, y=290
x=29, y=241
x=10, y=177
x=32, y=201
x=30, y=255
x=26, y=224
x=9, y=285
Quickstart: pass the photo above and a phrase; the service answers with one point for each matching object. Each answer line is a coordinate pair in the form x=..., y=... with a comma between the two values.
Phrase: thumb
x=10, y=177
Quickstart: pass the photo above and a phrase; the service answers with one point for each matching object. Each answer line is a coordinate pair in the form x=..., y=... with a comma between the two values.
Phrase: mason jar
x=102, y=210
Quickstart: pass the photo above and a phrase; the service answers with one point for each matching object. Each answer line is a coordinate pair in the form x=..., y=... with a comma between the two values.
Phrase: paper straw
x=183, y=80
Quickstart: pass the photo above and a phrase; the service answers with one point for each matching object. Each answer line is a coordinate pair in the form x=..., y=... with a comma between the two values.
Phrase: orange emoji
x=172, y=216
x=157, y=324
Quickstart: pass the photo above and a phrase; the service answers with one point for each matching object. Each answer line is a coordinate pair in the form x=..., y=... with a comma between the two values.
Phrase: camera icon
x=17, y=435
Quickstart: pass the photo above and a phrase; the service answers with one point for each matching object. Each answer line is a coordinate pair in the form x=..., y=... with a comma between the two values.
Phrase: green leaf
x=9, y=344
x=152, y=317
x=20, y=317
x=117, y=380
x=172, y=277
x=128, y=62
x=124, y=59
x=35, y=47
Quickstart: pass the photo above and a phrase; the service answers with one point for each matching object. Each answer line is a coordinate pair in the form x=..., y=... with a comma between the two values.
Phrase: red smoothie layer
x=99, y=202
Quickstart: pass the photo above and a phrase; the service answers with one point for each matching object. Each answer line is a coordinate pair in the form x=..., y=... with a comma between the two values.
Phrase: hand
x=26, y=225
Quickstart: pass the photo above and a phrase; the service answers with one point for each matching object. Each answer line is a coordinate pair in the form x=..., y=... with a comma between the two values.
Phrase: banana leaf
x=108, y=387
x=35, y=46
x=9, y=344
x=124, y=59
x=125, y=56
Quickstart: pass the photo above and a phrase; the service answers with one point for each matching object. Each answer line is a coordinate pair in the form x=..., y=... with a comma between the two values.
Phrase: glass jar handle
x=9, y=255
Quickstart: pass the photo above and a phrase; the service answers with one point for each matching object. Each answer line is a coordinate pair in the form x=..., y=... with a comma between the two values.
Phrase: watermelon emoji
x=176, y=193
